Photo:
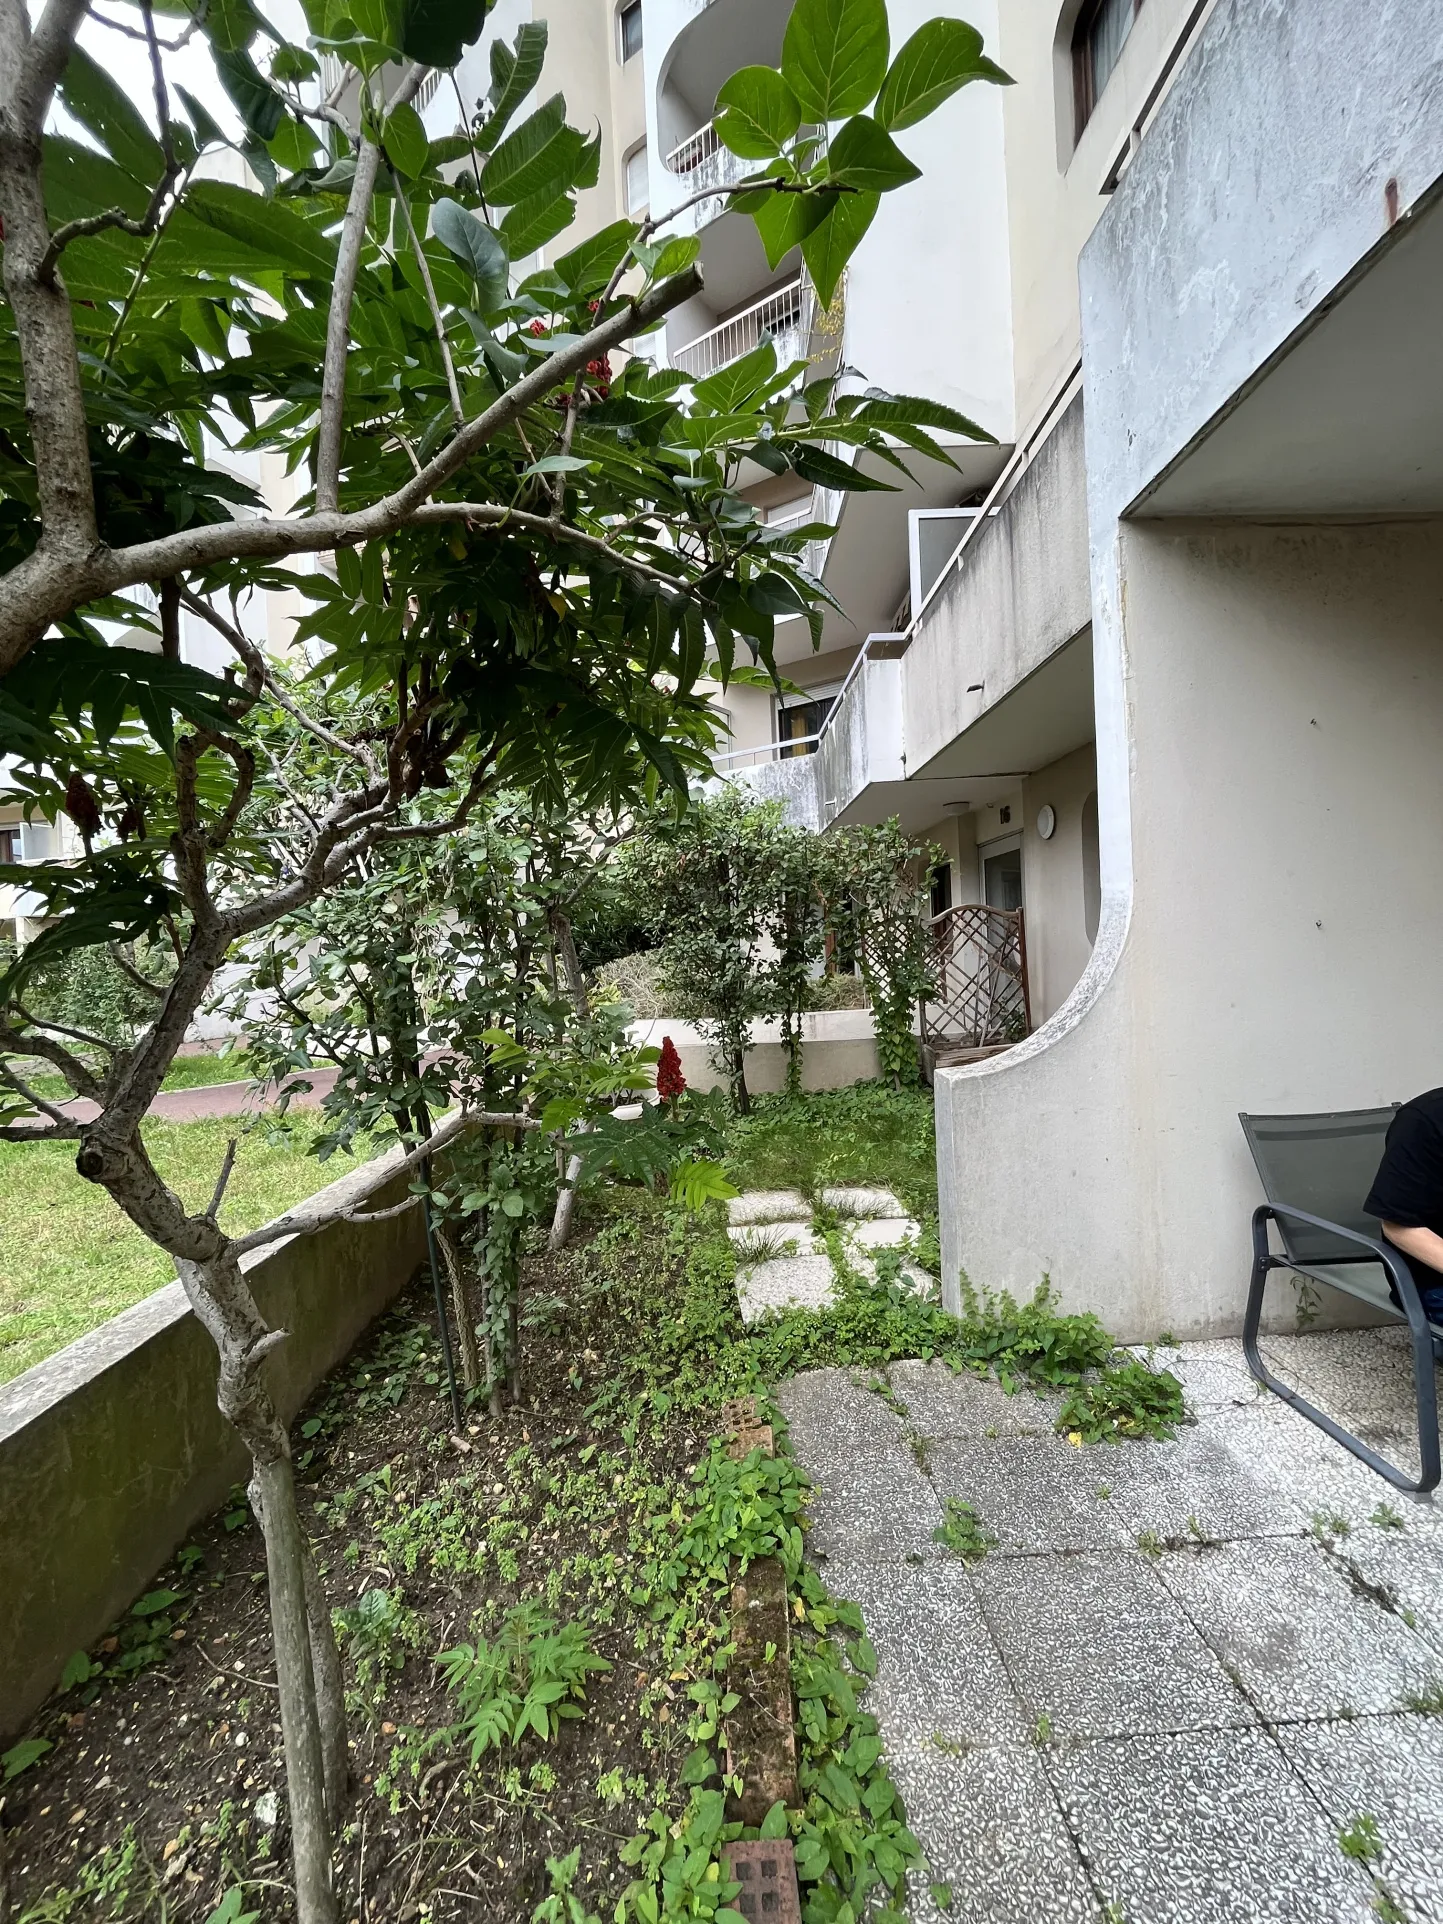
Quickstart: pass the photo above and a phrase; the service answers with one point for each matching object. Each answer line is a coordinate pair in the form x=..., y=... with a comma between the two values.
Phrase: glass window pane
x=1109, y=30
x=631, y=29
x=637, y=186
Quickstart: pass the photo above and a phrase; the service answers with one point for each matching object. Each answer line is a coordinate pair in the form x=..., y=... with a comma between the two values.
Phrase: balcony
x=786, y=315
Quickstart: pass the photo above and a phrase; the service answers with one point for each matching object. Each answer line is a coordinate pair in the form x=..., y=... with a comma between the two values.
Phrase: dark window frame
x=627, y=13
x=1085, y=91
x=10, y=843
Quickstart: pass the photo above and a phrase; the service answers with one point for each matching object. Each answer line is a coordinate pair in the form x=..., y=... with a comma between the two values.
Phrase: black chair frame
x=1265, y=1259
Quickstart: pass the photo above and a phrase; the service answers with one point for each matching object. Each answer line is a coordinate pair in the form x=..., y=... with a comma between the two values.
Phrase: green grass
x=869, y=1134
x=69, y=1259
x=186, y=1072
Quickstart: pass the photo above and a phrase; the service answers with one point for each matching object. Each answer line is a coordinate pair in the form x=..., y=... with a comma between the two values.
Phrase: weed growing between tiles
x=535, y=1620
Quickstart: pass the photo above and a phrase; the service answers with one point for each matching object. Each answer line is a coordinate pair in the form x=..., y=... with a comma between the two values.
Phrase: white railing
x=769, y=751
x=785, y=314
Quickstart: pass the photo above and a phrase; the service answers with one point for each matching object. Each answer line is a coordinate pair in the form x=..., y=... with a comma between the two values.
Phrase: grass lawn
x=186, y=1072
x=870, y=1134
x=69, y=1259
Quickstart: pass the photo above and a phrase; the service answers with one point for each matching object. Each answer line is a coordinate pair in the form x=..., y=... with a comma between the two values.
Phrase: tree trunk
x=576, y=983
x=461, y=1307
x=217, y=1291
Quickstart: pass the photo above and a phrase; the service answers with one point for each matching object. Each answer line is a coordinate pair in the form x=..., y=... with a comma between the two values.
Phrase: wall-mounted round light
x=1046, y=821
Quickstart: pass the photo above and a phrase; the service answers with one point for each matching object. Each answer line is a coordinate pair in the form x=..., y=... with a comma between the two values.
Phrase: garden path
x=214, y=1099
x=1178, y=1689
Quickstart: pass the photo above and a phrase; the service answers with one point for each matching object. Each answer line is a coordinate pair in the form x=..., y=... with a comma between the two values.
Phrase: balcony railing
x=786, y=315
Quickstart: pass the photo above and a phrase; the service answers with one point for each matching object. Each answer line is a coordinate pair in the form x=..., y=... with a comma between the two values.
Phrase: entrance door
x=1002, y=873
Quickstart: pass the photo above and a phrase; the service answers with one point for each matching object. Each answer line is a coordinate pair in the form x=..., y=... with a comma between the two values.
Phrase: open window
x=1097, y=43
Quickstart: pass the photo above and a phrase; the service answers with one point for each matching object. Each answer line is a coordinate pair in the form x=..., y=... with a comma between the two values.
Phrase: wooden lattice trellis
x=979, y=993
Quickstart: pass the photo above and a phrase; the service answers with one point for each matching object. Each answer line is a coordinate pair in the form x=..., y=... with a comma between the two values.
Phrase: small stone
x=268, y=1807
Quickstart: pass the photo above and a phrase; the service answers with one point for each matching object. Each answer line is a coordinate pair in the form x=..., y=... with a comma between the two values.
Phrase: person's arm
x=1425, y=1244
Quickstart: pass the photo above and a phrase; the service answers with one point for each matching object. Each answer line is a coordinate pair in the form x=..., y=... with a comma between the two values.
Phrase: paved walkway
x=214, y=1099
x=1183, y=1678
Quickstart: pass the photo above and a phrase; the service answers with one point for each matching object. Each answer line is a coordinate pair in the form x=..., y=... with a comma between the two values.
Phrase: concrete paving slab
x=1212, y=1374
x=943, y=1402
x=1284, y=1449
x=1035, y=1494
x=1096, y=1645
x=939, y=1674
x=880, y=1232
x=759, y=1242
x=1194, y=1488
x=862, y=1202
x=992, y=1832
x=1390, y=1768
x=769, y=1206
x=1408, y=1569
x=1300, y=1640
x=872, y=1501
x=785, y=1282
x=1205, y=1827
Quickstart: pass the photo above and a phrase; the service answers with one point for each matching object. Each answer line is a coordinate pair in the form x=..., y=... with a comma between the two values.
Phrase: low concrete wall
x=838, y=1048
x=113, y=1449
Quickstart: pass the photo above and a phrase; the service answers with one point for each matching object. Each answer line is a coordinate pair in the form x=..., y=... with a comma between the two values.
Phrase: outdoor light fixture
x=1046, y=821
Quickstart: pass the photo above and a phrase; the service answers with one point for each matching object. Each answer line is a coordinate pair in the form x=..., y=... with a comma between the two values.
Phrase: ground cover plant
x=69, y=1259
x=535, y=1624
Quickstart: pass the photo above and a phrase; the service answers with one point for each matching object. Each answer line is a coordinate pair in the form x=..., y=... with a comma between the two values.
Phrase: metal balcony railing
x=785, y=314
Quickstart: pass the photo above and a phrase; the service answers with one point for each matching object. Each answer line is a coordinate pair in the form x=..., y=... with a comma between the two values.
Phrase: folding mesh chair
x=1315, y=1171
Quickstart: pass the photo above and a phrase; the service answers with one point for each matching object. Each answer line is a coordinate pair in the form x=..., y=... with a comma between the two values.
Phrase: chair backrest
x=1324, y=1164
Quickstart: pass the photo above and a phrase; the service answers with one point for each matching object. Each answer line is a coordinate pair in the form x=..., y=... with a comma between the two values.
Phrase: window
x=1102, y=27
x=941, y=889
x=9, y=845
x=797, y=723
x=638, y=187
x=628, y=23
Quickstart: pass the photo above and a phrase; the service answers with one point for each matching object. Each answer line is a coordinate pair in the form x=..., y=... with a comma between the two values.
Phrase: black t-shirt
x=1408, y=1188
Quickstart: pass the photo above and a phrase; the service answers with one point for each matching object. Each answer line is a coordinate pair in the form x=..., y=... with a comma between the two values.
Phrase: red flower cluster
x=670, y=1082
x=538, y=327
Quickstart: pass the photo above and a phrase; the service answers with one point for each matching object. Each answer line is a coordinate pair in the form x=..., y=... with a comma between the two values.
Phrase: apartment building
x=1158, y=668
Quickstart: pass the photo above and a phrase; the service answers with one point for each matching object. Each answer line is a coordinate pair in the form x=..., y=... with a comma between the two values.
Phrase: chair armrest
x=1386, y=1253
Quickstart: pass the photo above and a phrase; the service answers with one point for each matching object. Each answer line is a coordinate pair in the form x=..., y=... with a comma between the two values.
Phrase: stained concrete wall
x=1285, y=705
x=112, y=1450
x=1058, y=947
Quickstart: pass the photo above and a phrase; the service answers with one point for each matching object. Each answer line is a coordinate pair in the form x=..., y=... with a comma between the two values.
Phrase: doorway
x=1001, y=864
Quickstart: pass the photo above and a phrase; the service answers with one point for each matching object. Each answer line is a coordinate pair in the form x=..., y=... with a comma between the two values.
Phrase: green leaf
x=865, y=155
x=478, y=248
x=405, y=140
x=756, y=113
x=541, y=150
x=785, y=220
x=255, y=100
x=940, y=57
x=697, y=1182
x=532, y=223
x=78, y=1670
x=908, y=410
x=514, y=1204
x=154, y=1602
x=835, y=55
x=23, y=1755
x=774, y=1824
x=435, y=31
x=941, y=1896
x=103, y=109
x=824, y=470
x=588, y=268
x=207, y=128
x=271, y=228
x=834, y=240
x=556, y=464
x=514, y=75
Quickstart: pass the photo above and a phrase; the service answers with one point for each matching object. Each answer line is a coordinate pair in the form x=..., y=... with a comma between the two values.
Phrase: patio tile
x=1301, y=1642
x=945, y=1403
x=991, y=1829
x=938, y=1670
x=1203, y=1827
x=1212, y=1374
x=1034, y=1493
x=1407, y=1568
x=766, y=1240
x=785, y=1282
x=769, y=1206
x=863, y=1202
x=1096, y=1645
x=881, y=1232
x=872, y=1501
x=1284, y=1449
x=1389, y=1767
x=1195, y=1486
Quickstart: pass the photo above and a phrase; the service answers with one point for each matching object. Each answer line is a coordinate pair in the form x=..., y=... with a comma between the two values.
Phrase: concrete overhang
x=919, y=804
x=867, y=564
x=1345, y=419
x=1046, y=716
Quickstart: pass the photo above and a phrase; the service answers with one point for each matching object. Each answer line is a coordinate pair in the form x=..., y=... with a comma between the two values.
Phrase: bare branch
x=338, y=322
x=16, y=1042
x=60, y=1028
x=260, y=674
x=57, y=1132
x=492, y=514
x=218, y=1196
x=127, y=968
x=60, y=575
x=17, y=1082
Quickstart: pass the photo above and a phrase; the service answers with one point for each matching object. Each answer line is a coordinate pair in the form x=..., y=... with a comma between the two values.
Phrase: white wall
x=1058, y=946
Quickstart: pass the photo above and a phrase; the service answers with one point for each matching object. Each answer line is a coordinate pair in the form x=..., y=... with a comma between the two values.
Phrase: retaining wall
x=838, y=1048
x=113, y=1449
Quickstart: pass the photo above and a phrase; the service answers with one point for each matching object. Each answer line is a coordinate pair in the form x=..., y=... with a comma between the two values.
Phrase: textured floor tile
x=757, y=1242
x=989, y=1824
x=1408, y=1569
x=1195, y=1486
x=1034, y=1493
x=871, y=1499
x=1207, y=1827
x=881, y=1232
x=769, y=1206
x=785, y=1282
x=938, y=1670
x=1283, y=1617
x=941, y=1402
x=1391, y=1768
x=1212, y=1374
x=1098, y=1647
x=862, y=1202
x=1284, y=1449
